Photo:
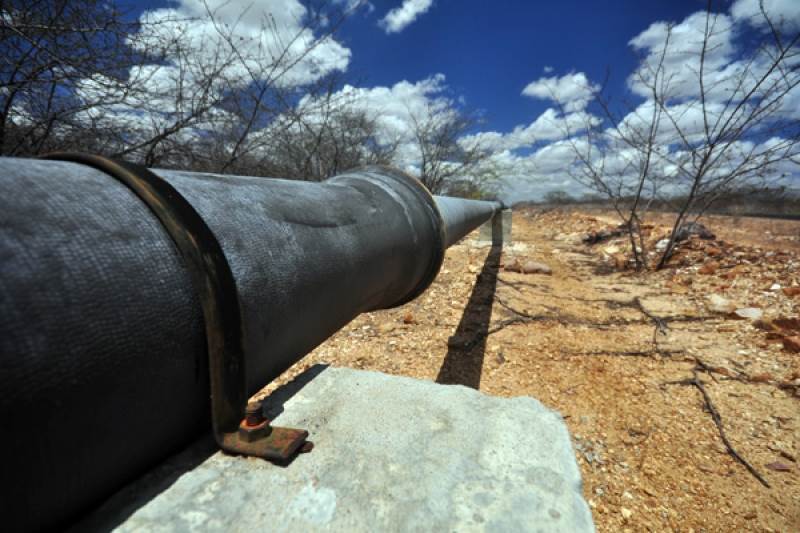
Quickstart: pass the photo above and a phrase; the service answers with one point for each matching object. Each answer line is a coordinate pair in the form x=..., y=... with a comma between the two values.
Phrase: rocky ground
x=681, y=387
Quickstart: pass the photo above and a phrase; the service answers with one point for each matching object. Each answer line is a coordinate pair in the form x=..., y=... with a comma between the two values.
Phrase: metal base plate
x=280, y=445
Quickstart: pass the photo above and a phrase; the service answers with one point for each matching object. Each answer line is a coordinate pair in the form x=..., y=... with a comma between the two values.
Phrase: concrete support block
x=498, y=229
x=391, y=454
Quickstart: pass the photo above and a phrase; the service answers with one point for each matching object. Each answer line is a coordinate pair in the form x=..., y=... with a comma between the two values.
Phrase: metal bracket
x=256, y=437
x=238, y=427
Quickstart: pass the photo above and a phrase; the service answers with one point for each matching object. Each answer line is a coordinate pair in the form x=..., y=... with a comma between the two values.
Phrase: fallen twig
x=715, y=416
x=742, y=377
x=627, y=353
x=571, y=320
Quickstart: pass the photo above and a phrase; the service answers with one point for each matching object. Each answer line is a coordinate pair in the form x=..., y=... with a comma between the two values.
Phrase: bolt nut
x=253, y=414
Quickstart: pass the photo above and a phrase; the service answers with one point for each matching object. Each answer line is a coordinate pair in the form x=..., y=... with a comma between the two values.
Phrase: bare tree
x=702, y=133
x=439, y=132
x=48, y=49
x=744, y=140
x=337, y=138
x=78, y=75
x=261, y=107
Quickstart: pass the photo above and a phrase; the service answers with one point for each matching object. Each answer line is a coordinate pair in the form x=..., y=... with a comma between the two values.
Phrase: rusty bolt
x=253, y=414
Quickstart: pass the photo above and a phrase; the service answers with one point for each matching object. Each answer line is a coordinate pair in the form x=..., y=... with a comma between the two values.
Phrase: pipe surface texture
x=103, y=362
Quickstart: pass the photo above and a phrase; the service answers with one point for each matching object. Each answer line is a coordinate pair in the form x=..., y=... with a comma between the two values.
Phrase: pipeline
x=462, y=216
x=104, y=367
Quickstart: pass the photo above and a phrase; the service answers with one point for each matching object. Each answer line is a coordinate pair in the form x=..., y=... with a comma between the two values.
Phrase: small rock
x=709, y=268
x=626, y=513
x=766, y=325
x=620, y=261
x=792, y=344
x=791, y=291
x=718, y=304
x=532, y=267
x=694, y=228
x=779, y=467
x=730, y=274
x=750, y=313
x=593, y=237
x=513, y=266
x=776, y=287
x=662, y=245
x=789, y=324
x=722, y=370
x=386, y=327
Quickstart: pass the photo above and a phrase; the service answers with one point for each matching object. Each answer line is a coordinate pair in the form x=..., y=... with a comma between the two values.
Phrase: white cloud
x=530, y=177
x=269, y=37
x=547, y=69
x=398, y=18
x=573, y=91
x=269, y=42
x=393, y=108
x=784, y=13
x=728, y=72
x=549, y=126
x=678, y=47
x=531, y=174
x=352, y=5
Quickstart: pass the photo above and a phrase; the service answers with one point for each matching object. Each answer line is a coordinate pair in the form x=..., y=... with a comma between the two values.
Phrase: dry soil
x=639, y=364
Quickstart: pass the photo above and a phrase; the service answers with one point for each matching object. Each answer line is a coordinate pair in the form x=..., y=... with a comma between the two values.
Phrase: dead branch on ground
x=717, y=418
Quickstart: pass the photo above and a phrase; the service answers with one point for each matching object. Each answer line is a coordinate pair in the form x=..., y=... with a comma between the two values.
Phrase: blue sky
x=530, y=69
x=489, y=51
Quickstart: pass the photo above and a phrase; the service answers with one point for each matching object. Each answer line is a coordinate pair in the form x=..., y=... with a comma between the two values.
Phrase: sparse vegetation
x=704, y=134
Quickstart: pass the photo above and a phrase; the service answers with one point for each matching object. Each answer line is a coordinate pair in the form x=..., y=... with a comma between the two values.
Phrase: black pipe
x=103, y=362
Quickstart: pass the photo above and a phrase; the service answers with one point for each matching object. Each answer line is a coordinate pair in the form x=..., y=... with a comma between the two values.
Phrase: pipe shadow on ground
x=467, y=347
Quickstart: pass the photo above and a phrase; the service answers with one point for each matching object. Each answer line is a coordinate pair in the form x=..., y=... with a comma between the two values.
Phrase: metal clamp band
x=213, y=280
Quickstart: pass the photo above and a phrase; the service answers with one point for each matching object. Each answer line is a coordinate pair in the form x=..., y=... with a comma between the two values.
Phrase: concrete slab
x=391, y=454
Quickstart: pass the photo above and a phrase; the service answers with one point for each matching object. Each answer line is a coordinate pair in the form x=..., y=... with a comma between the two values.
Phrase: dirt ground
x=646, y=369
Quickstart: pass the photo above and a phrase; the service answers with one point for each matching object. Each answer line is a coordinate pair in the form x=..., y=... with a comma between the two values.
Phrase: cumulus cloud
x=210, y=48
x=677, y=48
x=573, y=91
x=398, y=18
x=271, y=33
x=539, y=156
x=781, y=12
x=395, y=108
x=549, y=126
x=672, y=53
x=531, y=176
